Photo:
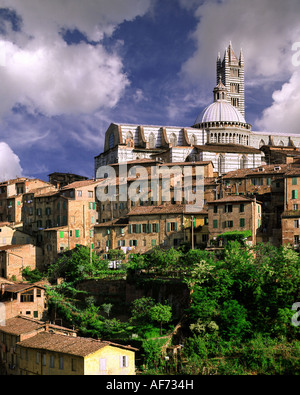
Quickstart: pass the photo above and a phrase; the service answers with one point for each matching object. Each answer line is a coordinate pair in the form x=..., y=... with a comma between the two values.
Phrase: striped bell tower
x=232, y=73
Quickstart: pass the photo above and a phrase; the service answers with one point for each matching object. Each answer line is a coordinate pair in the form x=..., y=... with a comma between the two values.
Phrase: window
x=294, y=181
x=229, y=224
x=215, y=209
x=295, y=207
x=268, y=181
x=102, y=364
x=296, y=223
x=37, y=358
x=73, y=363
x=77, y=233
x=51, y=361
x=133, y=243
x=296, y=239
x=38, y=293
x=294, y=194
x=90, y=194
x=27, y=296
x=61, y=363
x=123, y=361
x=155, y=228
x=79, y=193
x=228, y=208
x=153, y=242
x=242, y=208
x=61, y=234
x=172, y=226
x=111, y=140
x=121, y=243
x=242, y=222
x=215, y=223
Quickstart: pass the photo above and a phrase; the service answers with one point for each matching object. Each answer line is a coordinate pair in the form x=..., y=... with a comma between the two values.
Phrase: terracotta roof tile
x=79, y=346
x=18, y=325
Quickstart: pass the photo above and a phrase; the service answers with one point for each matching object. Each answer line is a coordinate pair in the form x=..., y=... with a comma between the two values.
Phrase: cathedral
x=220, y=133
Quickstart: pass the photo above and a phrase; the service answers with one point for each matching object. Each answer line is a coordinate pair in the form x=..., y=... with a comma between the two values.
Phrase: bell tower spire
x=232, y=74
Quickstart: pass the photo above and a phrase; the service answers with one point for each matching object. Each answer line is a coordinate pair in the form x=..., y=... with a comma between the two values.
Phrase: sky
x=69, y=68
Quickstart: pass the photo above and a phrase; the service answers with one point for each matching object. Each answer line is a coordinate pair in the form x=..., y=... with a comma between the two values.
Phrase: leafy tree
x=160, y=313
x=77, y=265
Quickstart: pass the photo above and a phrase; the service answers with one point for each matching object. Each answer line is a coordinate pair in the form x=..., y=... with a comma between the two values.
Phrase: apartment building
x=234, y=213
x=16, y=330
x=26, y=299
x=15, y=258
x=11, y=198
x=291, y=213
x=67, y=218
x=49, y=354
x=147, y=227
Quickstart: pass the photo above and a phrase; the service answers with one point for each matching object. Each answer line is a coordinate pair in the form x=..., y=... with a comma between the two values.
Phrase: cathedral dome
x=220, y=111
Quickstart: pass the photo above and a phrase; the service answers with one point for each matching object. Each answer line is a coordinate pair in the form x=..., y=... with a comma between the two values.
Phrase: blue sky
x=70, y=68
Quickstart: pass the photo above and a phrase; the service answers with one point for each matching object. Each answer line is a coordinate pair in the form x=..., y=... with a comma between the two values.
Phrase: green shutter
x=94, y=206
x=130, y=243
x=76, y=233
x=176, y=225
x=242, y=222
x=150, y=228
x=294, y=181
x=215, y=223
x=90, y=205
x=130, y=229
x=61, y=235
x=294, y=194
x=169, y=226
x=157, y=228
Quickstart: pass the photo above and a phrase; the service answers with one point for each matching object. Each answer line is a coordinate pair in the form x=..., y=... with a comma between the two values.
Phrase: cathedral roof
x=220, y=111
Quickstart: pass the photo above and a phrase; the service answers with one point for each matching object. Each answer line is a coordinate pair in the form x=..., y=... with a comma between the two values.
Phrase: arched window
x=152, y=141
x=129, y=140
x=193, y=140
x=244, y=162
x=261, y=143
x=173, y=139
x=281, y=143
x=111, y=140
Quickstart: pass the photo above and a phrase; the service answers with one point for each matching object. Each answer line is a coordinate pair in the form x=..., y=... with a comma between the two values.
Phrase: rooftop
x=79, y=346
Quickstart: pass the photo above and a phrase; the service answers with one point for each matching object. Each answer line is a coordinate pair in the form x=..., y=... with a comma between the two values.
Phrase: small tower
x=220, y=91
x=232, y=74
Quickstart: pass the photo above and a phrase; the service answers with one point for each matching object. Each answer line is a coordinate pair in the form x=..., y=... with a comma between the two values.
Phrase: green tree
x=160, y=313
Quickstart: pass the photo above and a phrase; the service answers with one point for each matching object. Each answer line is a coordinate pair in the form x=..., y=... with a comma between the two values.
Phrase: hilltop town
x=156, y=189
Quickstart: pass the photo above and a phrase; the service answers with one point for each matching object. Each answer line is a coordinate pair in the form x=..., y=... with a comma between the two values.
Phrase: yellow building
x=54, y=354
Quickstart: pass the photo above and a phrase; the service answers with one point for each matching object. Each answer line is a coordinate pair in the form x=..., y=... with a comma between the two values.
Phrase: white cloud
x=283, y=115
x=39, y=70
x=266, y=30
x=61, y=78
x=9, y=163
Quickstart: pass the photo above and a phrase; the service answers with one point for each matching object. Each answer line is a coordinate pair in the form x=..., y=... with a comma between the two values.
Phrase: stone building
x=15, y=258
x=234, y=213
x=147, y=227
x=11, y=198
x=48, y=354
x=291, y=213
x=16, y=330
x=23, y=298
